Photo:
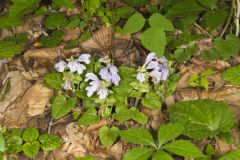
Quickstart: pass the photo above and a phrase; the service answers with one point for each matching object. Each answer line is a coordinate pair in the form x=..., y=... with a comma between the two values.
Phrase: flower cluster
x=74, y=65
x=154, y=67
x=108, y=75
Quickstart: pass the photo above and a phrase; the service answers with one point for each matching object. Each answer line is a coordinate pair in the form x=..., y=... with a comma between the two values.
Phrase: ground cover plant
x=120, y=79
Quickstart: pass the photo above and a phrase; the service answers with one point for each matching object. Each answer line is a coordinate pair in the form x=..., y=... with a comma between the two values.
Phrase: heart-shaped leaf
x=31, y=149
x=134, y=24
x=108, y=135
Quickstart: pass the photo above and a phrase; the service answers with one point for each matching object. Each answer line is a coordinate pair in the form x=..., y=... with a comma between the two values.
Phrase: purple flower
x=110, y=74
x=75, y=66
x=102, y=93
x=141, y=77
x=84, y=58
x=95, y=86
x=156, y=76
x=60, y=66
x=151, y=56
x=67, y=85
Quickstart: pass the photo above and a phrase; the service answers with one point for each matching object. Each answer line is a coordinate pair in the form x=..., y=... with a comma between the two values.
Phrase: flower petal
x=151, y=56
x=91, y=76
x=60, y=66
x=84, y=58
x=102, y=93
x=141, y=77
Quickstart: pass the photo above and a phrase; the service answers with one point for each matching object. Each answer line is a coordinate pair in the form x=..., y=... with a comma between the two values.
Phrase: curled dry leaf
x=45, y=56
x=71, y=34
x=77, y=143
x=35, y=99
x=116, y=150
x=101, y=39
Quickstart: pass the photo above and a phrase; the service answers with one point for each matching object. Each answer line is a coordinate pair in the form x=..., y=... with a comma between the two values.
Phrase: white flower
x=67, y=85
x=75, y=66
x=95, y=86
x=151, y=56
x=110, y=74
x=60, y=66
x=102, y=93
x=84, y=58
x=156, y=76
x=141, y=77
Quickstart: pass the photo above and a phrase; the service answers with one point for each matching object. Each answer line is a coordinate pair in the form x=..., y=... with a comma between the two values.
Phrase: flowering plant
x=105, y=90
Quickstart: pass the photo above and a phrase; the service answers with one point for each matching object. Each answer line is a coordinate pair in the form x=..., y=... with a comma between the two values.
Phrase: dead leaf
x=71, y=34
x=18, y=86
x=35, y=99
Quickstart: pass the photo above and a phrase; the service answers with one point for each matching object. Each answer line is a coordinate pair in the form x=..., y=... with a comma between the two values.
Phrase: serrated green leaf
x=31, y=149
x=55, y=20
x=53, y=40
x=216, y=18
x=183, y=148
x=89, y=117
x=233, y=155
x=49, y=142
x=203, y=118
x=210, y=55
x=154, y=39
x=183, y=55
x=30, y=134
x=210, y=4
x=161, y=155
x=159, y=21
x=171, y=84
x=16, y=11
x=185, y=8
x=108, y=135
x=210, y=150
x=232, y=75
x=227, y=138
x=54, y=80
x=152, y=101
x=9, y=49
x=13, y=144
x=124, y=12
x=137, y=136
x=138, y=154
x=63, y=3
x=62, y=106
x=169, y=131
x=134, y=24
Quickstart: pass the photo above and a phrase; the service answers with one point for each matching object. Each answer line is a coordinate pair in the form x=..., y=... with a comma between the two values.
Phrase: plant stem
x=237, y=15
x=203, y=30
x=136, y=102
x=228, y=20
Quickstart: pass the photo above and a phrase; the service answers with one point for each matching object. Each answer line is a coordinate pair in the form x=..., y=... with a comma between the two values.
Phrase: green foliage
x=108, y=135
x=55, y=21
x=152, y=101
x=134, y=24
x=232, y=75
x=169, y=132
x=154, y=39
x=159, y=21
x=16, y=11
x=233, y=155
x=63, y=3
x=2, y=143
x=62, y=106
x=201, y=79
x=30, y=134
x=9, y=49
x=89, y=117
x=54, y=80
x=184, y=54
x=137, y=136
x=53, y=40
x=183, y=148
x=49, y=142
x=216, y=18
x=13, y=144
x=202, y=118
x=166, y=133
x=138, y=154
x=223, y=49
x=31, y=149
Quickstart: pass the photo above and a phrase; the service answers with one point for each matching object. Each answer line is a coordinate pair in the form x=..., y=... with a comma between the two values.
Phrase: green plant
x=166, y=143
x=231, y=75
x=202, y=118
x=201, y=79
x=29, y=141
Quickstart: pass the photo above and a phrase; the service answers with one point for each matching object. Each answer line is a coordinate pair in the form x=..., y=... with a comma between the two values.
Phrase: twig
x=93, y=127
x=62, y=119
x=50, y=126
x=228, y=20
x=237, y=14
x=203, y=30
